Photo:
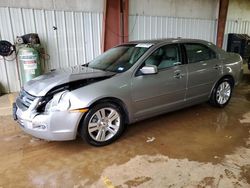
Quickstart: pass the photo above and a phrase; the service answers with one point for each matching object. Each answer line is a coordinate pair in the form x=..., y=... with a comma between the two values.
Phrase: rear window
x=199, y=52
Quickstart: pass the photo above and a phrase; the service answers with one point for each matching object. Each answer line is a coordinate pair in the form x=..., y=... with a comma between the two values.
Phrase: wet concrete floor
x=200, y=146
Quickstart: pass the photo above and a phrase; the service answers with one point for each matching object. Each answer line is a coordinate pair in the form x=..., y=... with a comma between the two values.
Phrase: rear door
x=204, y=69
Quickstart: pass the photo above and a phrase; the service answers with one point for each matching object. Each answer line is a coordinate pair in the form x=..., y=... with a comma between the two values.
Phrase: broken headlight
x=59, y=102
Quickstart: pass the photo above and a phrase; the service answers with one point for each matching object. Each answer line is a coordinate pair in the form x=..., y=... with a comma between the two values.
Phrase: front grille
x=24, y=100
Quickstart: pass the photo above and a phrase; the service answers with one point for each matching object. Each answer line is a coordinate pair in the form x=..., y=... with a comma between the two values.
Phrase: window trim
x=180, y=51
x=201, y=44
x=180, y=57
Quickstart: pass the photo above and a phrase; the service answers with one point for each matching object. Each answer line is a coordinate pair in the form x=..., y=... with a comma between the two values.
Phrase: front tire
x=103, y=124
x=221, y=93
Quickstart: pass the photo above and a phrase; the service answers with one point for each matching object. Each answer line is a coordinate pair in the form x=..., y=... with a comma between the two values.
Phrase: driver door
x=164, y=91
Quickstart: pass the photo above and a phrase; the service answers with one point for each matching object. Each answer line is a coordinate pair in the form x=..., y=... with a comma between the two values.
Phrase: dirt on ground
x=200, y=146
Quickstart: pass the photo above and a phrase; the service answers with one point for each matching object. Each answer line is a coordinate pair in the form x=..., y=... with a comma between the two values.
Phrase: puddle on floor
x=167, y=172
x=198, y=139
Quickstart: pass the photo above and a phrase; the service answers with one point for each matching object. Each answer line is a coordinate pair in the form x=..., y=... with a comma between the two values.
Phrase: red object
x=222, y=21
x=115, y=24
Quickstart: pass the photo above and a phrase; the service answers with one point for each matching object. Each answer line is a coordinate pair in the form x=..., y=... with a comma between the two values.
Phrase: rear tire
x=221, y=93
x=103, y=124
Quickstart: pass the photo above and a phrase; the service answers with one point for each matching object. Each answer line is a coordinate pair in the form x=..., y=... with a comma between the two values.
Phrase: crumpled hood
x=42, y=84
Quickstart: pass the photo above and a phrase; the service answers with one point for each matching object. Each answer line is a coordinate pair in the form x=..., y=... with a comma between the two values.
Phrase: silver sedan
x=127, y=83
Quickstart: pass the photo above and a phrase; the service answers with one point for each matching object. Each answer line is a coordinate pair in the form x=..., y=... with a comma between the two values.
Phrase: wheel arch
x=112, y=100
x=227, y=76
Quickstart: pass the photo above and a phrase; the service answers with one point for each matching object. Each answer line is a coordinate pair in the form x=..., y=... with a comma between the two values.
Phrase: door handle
x=217, y=67
x=178, y=75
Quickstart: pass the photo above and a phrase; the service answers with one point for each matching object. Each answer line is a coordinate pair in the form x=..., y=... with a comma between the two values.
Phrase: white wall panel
x=205, y=9
x=239, y=10
x=153, y=27
x=9, y=78
x=52, y=40
x=88, y=32
x=80, y=37
x=76, y=39
x=66, y=5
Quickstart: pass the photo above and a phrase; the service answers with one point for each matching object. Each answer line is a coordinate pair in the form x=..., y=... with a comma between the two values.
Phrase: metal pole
x=6, y=72
x=222, y=21
x=18, y=72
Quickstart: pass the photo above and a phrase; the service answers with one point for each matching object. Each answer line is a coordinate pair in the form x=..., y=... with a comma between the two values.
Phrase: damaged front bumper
x=60, y=125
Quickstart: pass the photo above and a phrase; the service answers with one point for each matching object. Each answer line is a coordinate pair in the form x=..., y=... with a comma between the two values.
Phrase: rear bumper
x=52, y=126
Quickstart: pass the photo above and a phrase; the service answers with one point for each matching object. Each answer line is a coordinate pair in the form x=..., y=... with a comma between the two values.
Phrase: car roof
x=167, y=40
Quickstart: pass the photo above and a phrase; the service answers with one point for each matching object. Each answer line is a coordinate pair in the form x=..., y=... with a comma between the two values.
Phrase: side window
x=199, y=52
x=164, y=57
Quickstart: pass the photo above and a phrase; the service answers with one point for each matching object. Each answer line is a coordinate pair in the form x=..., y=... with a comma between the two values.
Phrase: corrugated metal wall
x=76, y=40
x=235, y=26
x=152, y=27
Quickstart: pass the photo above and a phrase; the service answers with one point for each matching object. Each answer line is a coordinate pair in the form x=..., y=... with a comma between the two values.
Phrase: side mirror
x=177, y=63
x=149, y=69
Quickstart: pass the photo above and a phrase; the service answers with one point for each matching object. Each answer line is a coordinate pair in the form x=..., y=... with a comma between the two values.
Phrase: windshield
x=119, y=59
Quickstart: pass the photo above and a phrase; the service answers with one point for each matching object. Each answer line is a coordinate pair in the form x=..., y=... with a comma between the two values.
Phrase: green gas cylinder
x=29, y=62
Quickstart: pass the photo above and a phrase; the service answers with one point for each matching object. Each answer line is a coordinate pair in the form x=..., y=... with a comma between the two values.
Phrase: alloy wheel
x=104, y=124
x=223, y=92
